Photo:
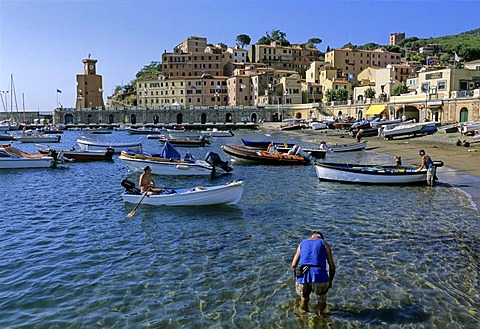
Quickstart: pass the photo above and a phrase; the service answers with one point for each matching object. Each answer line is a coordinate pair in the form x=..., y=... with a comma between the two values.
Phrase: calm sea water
x=406, y=256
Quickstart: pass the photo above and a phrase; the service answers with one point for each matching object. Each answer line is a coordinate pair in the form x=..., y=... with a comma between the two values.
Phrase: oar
x=131, y=213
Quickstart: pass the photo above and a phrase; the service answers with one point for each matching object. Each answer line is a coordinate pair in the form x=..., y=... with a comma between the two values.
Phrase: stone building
x=89, y=86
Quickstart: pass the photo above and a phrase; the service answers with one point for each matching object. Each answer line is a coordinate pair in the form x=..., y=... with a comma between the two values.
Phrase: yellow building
x=353, y=61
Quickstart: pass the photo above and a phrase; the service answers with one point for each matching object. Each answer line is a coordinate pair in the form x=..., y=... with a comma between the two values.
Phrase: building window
x=442, y=85
x=425, y=87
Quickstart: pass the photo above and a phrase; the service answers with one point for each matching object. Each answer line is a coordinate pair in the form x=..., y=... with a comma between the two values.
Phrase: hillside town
x=203, y=83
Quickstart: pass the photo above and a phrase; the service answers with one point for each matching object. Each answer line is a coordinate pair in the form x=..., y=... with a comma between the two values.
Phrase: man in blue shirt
x=312, y=256
x=427, y=164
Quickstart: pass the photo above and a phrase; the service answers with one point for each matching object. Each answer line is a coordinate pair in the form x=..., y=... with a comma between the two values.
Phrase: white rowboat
x=227, y=194
x=102, y=146
x=13, y=158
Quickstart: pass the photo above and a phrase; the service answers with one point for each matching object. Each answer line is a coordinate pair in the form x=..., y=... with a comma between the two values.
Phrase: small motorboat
x=336, y=148
x=186, y=142
x=169, y=162
x=81, y=155
x=217, y=133
x=407, y=129
x=266, y=156
x=13, y=158
x=88, y=145
x=265, y=144
x=371, y=174
x=5, y=136
x=227, y=194
x=32, y=137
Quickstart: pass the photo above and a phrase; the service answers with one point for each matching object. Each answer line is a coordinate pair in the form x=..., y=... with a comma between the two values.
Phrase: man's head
x=318, y=233
x=147, y=169
x=421, y=152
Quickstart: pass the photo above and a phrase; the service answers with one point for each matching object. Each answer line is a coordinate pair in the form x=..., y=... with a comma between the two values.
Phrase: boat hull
x=185, y=142
x=117, y=147
x=42, y=139
x=23, y=163
x=167, y=167
x=365, y=174
x=264, y=144
x=227, y=194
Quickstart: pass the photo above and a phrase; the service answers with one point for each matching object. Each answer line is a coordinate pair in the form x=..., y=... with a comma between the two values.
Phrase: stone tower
x=89, y=86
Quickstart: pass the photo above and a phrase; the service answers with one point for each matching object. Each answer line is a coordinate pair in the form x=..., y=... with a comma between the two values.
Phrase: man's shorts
x=431, y=175
x=305, y=289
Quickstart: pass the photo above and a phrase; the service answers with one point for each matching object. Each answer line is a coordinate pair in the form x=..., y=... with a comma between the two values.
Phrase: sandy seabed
x=461, y=164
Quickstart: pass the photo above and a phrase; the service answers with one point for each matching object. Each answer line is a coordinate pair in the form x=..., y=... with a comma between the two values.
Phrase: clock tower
x=89, y=86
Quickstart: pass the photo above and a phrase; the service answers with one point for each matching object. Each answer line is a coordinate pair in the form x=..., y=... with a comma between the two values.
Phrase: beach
x=461, y=164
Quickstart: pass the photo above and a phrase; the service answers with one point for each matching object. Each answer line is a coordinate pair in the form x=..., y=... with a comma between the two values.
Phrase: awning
x=375, y=109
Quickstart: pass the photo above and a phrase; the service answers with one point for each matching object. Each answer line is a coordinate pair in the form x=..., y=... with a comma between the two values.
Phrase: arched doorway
x=228, y=117
x=463, y=114
x=156, y=119
x=179, y=118
x=89, y=119
x=253, y=117
x=411, y=113
x=203, y=118
x=340, y=113
x=298, y=115
x=359, y=115
x=68, y=118
x=133, y=119
x=110, y=119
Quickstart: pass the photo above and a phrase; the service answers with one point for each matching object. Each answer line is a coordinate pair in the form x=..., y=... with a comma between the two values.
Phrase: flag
x=243, y=86
x=350, y=76
x=217, y=86
x=309, y=84
x=59, y=91
x=457, y=58
x=100, y=90
x=369, y=73
x=145, y=89
x=192, y=87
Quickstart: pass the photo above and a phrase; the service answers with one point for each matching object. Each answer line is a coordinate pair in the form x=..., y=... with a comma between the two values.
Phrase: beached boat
x=476, y=134
x=265, y=157
x=265, y=144
x=227, y=194
x=337, y=148
x=292, y=126
x=81, y=155
x=169, y=162
x=469, y=127
x=369, y=174
x=407, y=129
x=315, y=125
x=31, y=137
x=186, y=142
x=88, y=145
x=13, y=158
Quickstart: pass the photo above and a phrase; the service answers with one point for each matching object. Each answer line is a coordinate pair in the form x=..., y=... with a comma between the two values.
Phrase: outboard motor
x=109, y=153
x=53, y=154
x=214, y=159
x=130, y=187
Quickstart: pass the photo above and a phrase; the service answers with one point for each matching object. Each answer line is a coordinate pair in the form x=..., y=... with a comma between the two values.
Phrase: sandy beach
x=461, y=164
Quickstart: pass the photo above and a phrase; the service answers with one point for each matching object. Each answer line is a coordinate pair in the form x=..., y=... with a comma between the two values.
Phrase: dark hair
x=147, y=168
x=319, y=233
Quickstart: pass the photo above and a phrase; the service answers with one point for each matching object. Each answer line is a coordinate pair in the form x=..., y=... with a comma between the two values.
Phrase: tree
x=152, y=68
x=329, y=95
x=328, y=49
x=242, y=40
x=399, y=89
x=369, y=92
x=276, y=35
x=341, y=94
x=312, y=42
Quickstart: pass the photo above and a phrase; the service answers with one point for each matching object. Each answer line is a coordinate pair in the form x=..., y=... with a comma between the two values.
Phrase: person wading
x=427, y=164
x=312, y=256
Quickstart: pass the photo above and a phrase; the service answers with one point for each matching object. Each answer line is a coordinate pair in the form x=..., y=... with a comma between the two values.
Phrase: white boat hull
x=227, y=194
x=117, y=147
x=25, y=163
x=174, y=168
x=404, y=129
x=347, y=148
x=42, y=139
x=385, y=175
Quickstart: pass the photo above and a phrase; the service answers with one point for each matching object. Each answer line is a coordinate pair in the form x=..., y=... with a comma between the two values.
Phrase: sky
x=43, y=42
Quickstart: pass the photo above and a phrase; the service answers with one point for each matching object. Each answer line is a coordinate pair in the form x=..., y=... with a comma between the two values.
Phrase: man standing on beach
x=312, y=255
x=427, y=163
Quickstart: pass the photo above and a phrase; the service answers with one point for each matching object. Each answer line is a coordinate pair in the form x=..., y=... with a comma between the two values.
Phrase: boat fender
x=438, y=163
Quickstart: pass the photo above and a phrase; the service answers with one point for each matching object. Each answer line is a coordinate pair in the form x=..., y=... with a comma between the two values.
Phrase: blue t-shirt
x=314, y=253
x=428, y=163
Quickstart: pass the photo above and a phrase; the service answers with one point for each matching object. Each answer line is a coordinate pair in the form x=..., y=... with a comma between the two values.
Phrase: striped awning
x=375, y=109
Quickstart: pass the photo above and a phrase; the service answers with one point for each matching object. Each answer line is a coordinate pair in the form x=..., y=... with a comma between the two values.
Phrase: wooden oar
x=131, y=213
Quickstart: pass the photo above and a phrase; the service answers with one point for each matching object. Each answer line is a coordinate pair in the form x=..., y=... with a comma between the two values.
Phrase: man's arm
x=296, y=258
x=331, y=263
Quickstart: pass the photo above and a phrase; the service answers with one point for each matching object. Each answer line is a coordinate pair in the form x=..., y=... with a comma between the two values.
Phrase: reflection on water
x=406, y=256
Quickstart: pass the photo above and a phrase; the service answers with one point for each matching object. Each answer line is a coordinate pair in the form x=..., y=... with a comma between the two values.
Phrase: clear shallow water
x=406, y=256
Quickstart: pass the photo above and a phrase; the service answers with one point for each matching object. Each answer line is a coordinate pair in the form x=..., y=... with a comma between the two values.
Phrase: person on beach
x=312, y=255
x=358, y=136
x=145, y=182
x=427, y=164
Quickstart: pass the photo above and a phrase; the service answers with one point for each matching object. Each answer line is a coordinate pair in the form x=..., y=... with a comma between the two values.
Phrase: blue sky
x=42, y=43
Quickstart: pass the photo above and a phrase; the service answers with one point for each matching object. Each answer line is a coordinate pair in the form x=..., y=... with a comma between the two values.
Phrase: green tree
x=400, y=88
x=276, y=35
x=369, y=92
x=242, y=40
x=152, y=68
x=329, y=95
x=341, y=94
x=313, y=42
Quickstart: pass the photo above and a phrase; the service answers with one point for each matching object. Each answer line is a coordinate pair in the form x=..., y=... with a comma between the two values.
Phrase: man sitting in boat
x=272, y=149
x=146, y=183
